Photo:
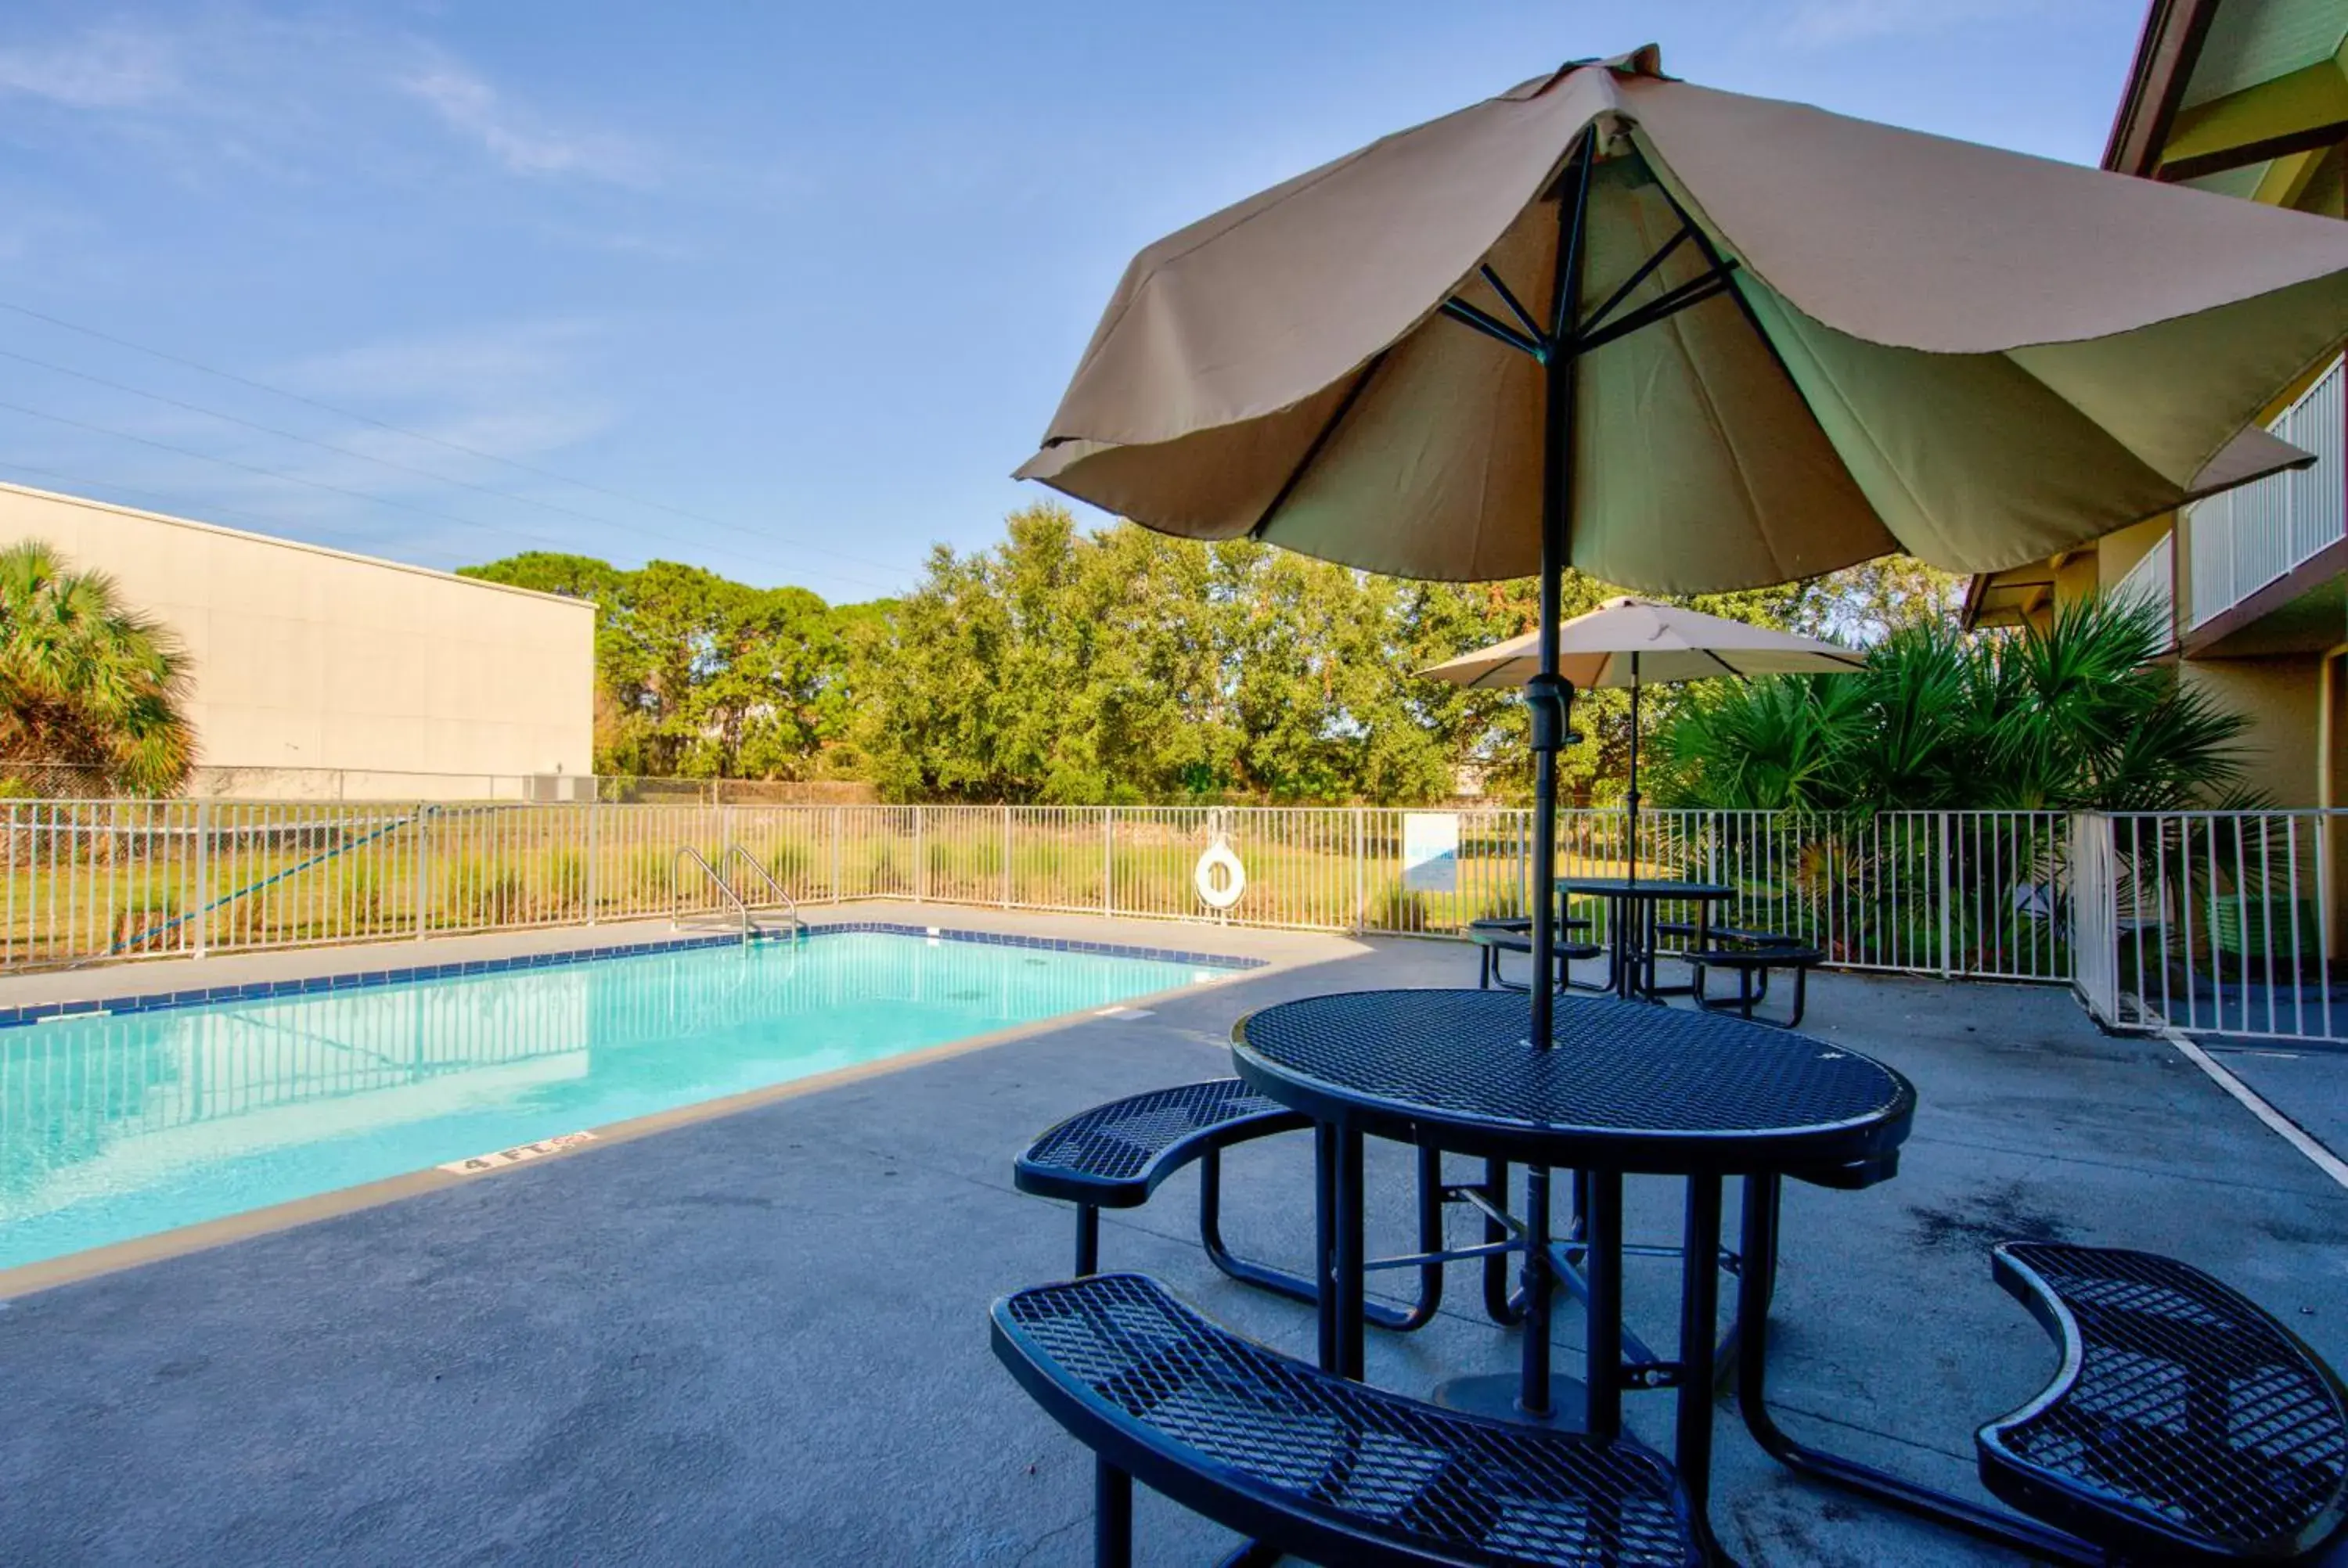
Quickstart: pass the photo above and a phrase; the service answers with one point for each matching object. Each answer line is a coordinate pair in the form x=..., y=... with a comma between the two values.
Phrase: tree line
x=1073, y=666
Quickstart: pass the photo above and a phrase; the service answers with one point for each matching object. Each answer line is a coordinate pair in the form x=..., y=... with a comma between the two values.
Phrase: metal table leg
x=1348, y=1259
x=1699, y=1310
x=1533, y=1390
x=1603, y=1266
x=1324, y=1243
x=1300, y=1287
x=1500, y=1306
x=1755, y=1286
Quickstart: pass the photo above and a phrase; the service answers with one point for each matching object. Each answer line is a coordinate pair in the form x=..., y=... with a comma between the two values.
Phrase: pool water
x=117, y=1127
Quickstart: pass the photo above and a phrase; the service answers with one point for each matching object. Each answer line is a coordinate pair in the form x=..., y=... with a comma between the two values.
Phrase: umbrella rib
x=1490, y=325
x=1695, y=292
x=1744, y=306
x=1336, y=418
x=1516, y=307
x=1597, y=318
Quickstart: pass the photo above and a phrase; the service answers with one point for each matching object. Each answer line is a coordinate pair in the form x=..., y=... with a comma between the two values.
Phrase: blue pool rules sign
x=1430, y=851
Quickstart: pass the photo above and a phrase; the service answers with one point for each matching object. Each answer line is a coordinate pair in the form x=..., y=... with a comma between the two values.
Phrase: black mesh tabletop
x=1645, y=887
x=1626, y=1086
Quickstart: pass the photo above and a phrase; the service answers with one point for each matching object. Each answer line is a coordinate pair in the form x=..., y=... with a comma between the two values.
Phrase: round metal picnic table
x=1630, y=922
x=1622, y=1089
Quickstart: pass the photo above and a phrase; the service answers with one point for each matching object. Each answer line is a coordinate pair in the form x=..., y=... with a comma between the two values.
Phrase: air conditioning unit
x=549, y=789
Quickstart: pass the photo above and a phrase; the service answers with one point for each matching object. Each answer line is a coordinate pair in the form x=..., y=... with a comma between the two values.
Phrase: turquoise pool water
x=120, y=1126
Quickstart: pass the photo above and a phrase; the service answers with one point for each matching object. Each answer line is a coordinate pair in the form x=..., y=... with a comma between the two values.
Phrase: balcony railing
x=2152, y=581
x=2248, y=538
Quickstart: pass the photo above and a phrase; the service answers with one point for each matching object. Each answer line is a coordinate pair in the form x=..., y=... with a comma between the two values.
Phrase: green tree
x=87, y=680
x=702, y=676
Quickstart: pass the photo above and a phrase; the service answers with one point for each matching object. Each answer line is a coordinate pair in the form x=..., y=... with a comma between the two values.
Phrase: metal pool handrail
x=799, y=927
x=677, y=897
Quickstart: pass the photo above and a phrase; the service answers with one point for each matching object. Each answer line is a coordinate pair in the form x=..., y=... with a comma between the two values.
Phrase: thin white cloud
x=1823, y=23
x=518, y=140
x=509, y=389
x=106, y=67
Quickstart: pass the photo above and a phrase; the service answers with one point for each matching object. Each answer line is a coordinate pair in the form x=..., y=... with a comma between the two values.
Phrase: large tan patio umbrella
x=1687, y=339
x=1629, y=642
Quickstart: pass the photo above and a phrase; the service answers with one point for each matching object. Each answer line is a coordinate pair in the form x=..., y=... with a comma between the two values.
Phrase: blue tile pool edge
x=254, y=990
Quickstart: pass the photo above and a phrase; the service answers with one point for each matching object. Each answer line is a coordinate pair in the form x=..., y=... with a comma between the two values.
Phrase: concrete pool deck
x=762, y=1335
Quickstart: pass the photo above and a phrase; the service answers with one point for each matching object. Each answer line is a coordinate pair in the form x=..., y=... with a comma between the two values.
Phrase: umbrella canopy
x=1856, y=340
x=1632, y=642
x=1636, y=643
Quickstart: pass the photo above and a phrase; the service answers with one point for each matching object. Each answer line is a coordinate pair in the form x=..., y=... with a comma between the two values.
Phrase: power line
x=334, y=489
x=435, y=440
x=265, y=525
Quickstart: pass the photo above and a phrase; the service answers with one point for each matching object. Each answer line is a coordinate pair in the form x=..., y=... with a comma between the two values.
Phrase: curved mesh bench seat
x=1493, y=938
x=1719, y=933
x=1751, y=966
x=2185, y=1424
x=1303, y=1461
x=1114, y=1156
x=1521, y=923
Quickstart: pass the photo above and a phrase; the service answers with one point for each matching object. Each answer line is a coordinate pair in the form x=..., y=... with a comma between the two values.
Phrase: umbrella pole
x=1550, y=702
x=1548, y=698
x=1632, y=908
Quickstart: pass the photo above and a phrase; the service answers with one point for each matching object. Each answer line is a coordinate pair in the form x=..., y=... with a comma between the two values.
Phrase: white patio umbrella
x=1629, y=642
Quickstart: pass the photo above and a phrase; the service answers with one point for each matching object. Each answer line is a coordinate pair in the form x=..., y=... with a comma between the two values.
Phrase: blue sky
x=791, y=287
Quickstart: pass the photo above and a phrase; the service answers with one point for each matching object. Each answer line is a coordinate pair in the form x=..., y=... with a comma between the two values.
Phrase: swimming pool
x=119, y=1126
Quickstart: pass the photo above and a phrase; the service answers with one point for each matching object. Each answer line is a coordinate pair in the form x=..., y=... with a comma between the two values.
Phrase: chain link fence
x=74, y=780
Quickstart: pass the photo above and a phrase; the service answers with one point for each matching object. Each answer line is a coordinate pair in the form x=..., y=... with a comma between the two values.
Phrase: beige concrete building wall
x=2283, y=698
x=307, y=658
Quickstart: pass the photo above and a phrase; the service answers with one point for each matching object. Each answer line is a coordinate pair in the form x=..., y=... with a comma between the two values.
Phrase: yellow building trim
x=2310, y=103
x=2286, y=179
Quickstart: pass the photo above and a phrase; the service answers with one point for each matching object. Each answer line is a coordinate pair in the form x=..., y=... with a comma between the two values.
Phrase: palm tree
x=2078, y=715
x=86, y=680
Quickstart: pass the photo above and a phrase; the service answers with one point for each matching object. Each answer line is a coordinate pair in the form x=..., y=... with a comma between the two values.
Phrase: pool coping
x=254, y=990
x=113, y=1257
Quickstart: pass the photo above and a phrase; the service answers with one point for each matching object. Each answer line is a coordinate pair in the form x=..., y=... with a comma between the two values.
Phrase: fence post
x=1948, y=971
x=423, y=867
x=1108, y=858
x=835, y=854
x=921, y=863
x=1006, y=857
x=594, y=810
x=2094, y=917
x=1360, y=878
x=203, y=915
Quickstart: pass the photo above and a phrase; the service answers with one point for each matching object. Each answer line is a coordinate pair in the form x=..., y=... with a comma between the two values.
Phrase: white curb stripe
x=2291, y=1132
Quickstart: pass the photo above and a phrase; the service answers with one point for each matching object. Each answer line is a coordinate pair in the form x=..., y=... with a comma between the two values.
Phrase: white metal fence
x=2218, y=923
x=1956, y=893
x=2245, y=538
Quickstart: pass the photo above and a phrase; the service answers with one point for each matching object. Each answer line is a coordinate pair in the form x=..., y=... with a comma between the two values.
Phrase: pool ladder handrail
x=799, y=927
x=676, y=901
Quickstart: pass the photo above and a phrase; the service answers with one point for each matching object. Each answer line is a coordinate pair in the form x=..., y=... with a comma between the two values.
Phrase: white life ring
x=1224, y=894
